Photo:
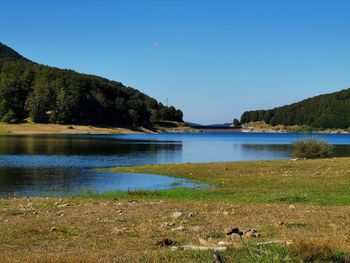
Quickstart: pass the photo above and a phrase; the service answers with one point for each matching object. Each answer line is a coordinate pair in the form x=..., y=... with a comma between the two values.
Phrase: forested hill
x=51, y=95
x=9, y=54
x=324, y=111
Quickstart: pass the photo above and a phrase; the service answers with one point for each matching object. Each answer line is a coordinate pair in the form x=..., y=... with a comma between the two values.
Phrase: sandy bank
x=36, y=128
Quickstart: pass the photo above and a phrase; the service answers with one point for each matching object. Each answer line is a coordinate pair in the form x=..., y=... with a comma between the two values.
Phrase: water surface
x=62, y=164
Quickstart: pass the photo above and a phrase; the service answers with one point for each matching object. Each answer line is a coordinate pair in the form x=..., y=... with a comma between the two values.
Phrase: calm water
x=47, y=164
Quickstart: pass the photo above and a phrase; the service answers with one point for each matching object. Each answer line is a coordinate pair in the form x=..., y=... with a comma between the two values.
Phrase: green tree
x=134, y=116
x=154, y=117
x=66, y=108
x=39, y=103
x=236, y=123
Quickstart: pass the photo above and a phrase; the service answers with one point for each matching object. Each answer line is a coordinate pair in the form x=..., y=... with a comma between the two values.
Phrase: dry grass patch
x=119, y=230
x=37, y=128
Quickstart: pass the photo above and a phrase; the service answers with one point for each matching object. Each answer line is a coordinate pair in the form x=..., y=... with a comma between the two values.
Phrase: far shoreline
x=66, y=129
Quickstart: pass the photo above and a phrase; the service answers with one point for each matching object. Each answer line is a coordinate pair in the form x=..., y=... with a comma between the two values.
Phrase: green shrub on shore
x=301, y=129
x=312, y=148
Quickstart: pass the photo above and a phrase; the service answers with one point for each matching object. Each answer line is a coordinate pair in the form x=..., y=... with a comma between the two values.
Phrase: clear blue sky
x=213, y=59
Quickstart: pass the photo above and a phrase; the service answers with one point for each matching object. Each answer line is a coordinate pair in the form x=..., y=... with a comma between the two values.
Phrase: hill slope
x=324, y=111
x=7, y=53
x=52, y=95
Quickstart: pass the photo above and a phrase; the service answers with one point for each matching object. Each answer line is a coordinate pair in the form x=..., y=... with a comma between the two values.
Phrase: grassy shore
x=302, y=203
x=322, y=182
x=37, y=128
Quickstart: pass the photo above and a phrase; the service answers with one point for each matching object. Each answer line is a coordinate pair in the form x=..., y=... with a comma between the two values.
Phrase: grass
x=4, y=132
x=304, y=202
x=324, y=181
x=38, y=128
x=128, y=229
x=68, y=232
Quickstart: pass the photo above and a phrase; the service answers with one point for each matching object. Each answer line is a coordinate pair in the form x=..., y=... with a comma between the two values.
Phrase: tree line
x=51, y=95
x=324, y=111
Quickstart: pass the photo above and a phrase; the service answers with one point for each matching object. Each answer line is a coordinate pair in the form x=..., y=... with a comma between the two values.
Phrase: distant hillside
x=51, y=95
x=324, y=111
x=209, y=125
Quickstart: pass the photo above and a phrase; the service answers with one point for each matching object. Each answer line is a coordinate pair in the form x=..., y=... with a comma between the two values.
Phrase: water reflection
x=76, y=151
x=79, y=145
x=266, y=151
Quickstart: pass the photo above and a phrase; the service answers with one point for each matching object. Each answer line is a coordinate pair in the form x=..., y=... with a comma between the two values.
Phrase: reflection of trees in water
x=14, y=179
x=342, y=150
x=27, y=157
x=285, y=148
x=51, y=145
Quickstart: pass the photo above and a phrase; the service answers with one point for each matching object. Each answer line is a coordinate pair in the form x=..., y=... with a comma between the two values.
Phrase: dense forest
x=51, y=95
x=324, y=111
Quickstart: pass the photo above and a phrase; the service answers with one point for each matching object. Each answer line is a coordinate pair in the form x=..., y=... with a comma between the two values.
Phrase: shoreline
x=294, y=132
x=55, y=129
x=261, y=126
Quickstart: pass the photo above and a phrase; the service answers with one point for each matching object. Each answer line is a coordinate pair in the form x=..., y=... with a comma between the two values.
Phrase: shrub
x=300, y=129
x=10, y=117
x=312, y=148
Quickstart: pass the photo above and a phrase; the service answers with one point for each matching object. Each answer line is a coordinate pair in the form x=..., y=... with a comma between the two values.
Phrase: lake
x=37, y=165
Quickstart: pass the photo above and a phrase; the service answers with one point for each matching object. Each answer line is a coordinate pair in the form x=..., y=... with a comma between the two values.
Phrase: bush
x=312, y=148
x=10, y=117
